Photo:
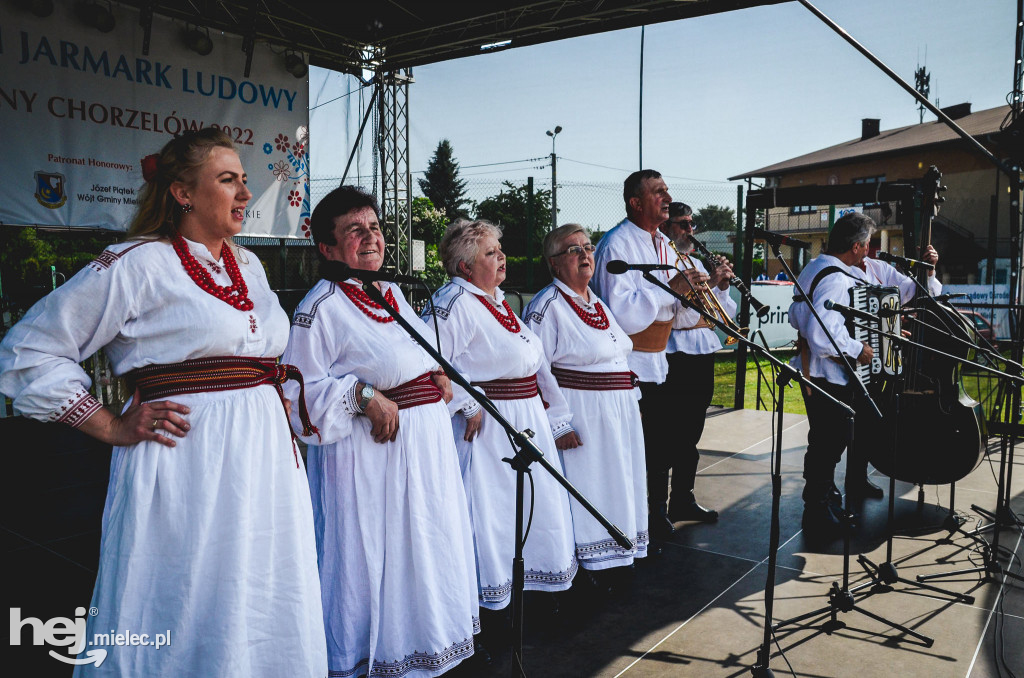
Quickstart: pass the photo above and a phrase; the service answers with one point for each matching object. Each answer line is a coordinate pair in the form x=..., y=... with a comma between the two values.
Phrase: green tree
x=715, y=218
x=428, y=222
x=441, y=183
x=433, y=274
x=26, y=256
x=509, y=210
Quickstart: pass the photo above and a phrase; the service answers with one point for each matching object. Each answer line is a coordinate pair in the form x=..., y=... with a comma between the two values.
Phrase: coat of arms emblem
x=50, y=190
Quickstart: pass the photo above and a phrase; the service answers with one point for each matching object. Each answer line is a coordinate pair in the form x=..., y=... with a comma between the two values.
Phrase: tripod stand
x=525, y=453
x=883, y=576
x=1008, y=431
x=841, y=598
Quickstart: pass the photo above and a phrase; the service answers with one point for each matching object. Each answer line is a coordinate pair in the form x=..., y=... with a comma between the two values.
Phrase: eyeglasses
x=578, y=249
x=684, y=223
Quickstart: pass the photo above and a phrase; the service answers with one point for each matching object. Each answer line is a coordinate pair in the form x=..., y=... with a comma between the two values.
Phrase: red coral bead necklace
x=508, y=320
x=598, y=319
x=236, y=294
x=364, y=303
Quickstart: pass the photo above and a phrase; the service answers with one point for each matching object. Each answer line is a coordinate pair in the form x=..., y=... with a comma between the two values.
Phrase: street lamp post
x=554, y=184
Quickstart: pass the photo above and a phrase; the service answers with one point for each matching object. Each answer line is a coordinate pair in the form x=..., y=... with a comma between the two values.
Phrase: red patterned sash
x=594, y=381
x=226, y=373
x=509, y=389
x=419, y=391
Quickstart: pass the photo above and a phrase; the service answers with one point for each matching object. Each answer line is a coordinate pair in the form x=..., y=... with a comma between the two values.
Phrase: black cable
x=783, y=654
x=349, y=93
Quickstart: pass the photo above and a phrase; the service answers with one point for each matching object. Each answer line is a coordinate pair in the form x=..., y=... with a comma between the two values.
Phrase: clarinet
x=712, y=260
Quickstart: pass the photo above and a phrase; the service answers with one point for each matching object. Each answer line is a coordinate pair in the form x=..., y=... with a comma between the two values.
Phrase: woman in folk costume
x=493, y=349
x=587, y=351
x=207, y=527
x=393, y=533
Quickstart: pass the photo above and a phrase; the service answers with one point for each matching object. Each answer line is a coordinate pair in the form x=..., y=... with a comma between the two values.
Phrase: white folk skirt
x=609, y=470
x=395, y=548
x=491, y=490
x=211, y=542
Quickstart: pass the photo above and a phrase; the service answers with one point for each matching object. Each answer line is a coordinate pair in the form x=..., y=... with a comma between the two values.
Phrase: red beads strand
x=598, y=319
x=510, y=322
x=364, y=303
x=236, y=294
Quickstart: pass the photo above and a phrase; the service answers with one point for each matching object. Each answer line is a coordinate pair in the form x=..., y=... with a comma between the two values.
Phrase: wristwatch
x=365, y=396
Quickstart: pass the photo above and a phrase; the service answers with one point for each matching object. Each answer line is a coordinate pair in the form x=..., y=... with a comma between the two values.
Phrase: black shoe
x=598, y=581
x=481, y=657
x=864, y=490
x=691, y=510
x=835, y=497
x=660, y=526
x=819, y=520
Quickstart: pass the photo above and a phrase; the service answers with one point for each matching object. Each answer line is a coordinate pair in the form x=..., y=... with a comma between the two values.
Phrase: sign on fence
x=999, y=318
x=775, y=325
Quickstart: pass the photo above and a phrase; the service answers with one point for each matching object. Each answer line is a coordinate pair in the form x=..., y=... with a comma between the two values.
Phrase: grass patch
x=725, y=384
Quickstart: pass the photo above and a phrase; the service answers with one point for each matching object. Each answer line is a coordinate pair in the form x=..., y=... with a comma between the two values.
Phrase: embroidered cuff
x=350, y=401
x=470, y=410
x=79, y=407
x=562, y=429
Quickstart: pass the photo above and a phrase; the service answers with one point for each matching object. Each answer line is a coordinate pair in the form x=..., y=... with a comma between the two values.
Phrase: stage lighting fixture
x=199, y=41
x=295, y=64
x=93, y=14
x=41, y=8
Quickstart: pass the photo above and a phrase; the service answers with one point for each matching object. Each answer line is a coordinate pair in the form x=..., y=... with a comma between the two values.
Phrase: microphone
x=616, y=266
x=776, y=239
x=336, y=271
x=903, y=261
x=850, y=312
x=947, y=297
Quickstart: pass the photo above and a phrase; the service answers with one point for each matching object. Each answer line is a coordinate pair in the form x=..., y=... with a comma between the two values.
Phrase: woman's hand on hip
x=140, y=422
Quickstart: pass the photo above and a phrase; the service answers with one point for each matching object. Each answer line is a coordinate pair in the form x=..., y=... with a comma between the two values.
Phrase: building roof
x=889, y=141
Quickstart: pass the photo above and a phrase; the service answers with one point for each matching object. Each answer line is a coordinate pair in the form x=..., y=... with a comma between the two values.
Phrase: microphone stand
x=840, y=598
x=526, y=453
x=1008, y=432
x=885, y=574
x=761, y=668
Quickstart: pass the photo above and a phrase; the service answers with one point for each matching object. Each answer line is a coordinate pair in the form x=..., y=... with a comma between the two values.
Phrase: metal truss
x=395, y=174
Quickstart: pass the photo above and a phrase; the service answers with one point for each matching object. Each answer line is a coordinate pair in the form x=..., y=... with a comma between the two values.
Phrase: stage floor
x=696, y=610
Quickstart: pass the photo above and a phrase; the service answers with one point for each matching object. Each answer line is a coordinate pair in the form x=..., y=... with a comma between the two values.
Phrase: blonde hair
x=180, y=159
x=554, y=239
x=461, y=243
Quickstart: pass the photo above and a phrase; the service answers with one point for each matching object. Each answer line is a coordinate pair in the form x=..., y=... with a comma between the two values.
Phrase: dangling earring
x=186, y=208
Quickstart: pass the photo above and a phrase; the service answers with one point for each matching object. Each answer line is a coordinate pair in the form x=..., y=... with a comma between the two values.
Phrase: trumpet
x=712, y=260
x=703, y=294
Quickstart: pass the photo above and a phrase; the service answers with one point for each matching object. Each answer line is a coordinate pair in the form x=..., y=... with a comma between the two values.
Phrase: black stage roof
x=409, y=33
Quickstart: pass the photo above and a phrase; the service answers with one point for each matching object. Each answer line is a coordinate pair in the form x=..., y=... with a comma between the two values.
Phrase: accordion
x=873, y=299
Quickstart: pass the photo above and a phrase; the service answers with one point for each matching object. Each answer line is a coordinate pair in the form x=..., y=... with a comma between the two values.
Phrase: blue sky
x=722, y=94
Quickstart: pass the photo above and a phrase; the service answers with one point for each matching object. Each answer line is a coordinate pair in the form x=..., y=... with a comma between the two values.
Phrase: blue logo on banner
x=50, y=190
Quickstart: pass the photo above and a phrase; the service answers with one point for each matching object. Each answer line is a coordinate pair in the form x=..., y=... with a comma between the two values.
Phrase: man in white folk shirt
x=691, y=369
x=646, y=312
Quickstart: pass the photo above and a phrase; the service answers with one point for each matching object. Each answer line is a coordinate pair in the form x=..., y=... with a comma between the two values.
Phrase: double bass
x=932, y=432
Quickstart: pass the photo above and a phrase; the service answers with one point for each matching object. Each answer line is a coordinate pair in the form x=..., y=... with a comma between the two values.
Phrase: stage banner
x=774, y=326
x=80, y=109
x=998, y=318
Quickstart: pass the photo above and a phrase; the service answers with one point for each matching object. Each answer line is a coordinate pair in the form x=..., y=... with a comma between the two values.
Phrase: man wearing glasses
x=691, y=368
x=645, y=312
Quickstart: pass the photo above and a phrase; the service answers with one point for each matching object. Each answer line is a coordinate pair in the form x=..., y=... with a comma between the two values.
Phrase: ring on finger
x=156, y=422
